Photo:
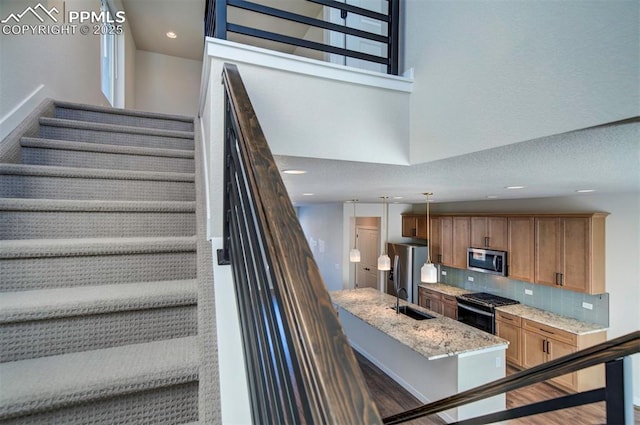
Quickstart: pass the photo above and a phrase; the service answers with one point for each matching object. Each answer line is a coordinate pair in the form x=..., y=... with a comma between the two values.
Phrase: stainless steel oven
x=477, y=316
x=478, y=309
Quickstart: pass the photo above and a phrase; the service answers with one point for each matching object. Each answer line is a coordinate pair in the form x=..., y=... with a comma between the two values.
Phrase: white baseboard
x=14, y=117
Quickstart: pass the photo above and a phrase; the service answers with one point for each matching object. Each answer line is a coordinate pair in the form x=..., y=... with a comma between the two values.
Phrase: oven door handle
x=475, y=310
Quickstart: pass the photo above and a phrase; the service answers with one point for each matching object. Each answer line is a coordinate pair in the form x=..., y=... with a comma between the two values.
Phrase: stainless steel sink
x=413, y=313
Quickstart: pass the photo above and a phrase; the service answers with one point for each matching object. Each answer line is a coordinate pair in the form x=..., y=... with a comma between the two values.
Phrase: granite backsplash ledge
x=559, y=301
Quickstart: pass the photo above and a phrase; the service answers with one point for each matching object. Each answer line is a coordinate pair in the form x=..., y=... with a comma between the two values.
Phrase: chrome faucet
x=398, y=298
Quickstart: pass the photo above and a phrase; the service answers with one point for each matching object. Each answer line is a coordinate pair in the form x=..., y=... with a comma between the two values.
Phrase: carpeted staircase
x=106, y=303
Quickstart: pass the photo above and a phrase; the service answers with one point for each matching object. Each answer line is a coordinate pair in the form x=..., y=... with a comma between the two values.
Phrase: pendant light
x=428, y=272
x=354, y=254
x=384, y=262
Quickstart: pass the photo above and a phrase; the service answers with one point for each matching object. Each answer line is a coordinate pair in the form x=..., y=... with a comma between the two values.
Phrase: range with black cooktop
x=478, y=309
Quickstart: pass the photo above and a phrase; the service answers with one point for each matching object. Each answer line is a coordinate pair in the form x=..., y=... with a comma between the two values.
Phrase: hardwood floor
x=391, y=398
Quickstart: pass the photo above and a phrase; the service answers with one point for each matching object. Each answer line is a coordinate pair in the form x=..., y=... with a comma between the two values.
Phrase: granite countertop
x=444, y=288
x=551, y=319
x=531, y=313
x=434, y=338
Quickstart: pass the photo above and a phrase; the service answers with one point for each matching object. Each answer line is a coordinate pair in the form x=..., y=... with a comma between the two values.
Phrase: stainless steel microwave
x=487, y=261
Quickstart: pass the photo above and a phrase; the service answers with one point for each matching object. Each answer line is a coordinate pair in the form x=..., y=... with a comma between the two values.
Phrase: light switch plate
x=588, y=306
x=444, y=272
x=528, y=292
x=470, y=278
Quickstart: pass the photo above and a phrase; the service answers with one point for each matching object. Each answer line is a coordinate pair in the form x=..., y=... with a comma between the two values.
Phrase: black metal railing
x=300, y=366
x=615, y=354
x=217, y=25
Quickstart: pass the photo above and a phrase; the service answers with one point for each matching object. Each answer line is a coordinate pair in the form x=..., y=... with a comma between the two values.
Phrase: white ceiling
x=606, y=159
x=150, y=20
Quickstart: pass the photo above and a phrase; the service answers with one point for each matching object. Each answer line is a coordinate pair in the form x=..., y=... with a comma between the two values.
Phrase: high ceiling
x=606, y=159
x=150, y=20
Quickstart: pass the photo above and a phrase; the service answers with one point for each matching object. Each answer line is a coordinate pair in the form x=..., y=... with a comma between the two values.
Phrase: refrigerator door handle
x=395, y=268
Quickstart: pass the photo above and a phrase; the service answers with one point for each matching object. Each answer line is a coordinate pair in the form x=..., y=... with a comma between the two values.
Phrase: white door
x=356, y=43
x=367, y=268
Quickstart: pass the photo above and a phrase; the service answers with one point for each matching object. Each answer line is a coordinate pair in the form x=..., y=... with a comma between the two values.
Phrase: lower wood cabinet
x=542, y=343
x=450, y=306
x=509, y=327
x=431, y=300
x=438, y=302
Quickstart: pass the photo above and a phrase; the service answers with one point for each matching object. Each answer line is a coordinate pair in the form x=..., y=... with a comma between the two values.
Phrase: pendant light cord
x=428, y=231
x=355, y=228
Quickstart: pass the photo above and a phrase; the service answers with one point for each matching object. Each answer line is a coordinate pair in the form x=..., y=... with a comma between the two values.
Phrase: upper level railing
x=300, y=366
x=217, y=25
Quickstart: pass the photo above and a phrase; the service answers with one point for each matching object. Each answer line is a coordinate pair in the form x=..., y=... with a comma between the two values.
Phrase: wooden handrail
x=323, y=371
x=604, y=352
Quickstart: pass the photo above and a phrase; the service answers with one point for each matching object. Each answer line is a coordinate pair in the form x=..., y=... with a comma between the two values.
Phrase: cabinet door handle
x=561, y=279
x=548, y=347
x=439, y=258
x=544, y=345
x=486, y=241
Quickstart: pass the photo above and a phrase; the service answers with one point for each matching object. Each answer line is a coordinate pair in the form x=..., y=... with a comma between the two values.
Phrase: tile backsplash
x=559, y=301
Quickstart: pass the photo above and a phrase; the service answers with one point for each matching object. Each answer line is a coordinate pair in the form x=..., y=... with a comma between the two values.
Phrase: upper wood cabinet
x=436, y=240
x=414, y=226
x=489, y=232
x=461, y=241
x=569, y=253
x=446, y=241
x=520, y=248
x=563, y=250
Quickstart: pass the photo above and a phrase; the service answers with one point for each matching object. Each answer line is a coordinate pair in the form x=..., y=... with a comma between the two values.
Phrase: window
x=108, y=54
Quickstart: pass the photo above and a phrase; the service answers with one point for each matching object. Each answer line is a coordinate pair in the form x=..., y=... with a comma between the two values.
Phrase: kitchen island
x=431, y=359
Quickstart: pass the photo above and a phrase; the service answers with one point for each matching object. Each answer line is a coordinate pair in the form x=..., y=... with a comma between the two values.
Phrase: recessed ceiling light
x=514, y=187
x=307, y=194
x=172, y=34
x=492, y=197
x=397, y=197
x=585, y=190
x=295, y=171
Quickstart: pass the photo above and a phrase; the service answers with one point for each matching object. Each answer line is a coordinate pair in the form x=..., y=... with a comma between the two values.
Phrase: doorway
x=368, y=242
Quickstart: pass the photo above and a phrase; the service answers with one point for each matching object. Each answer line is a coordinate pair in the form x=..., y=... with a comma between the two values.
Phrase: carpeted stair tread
x=114, y=128
x=94, y=173
x=119, y=111
x=40, y=248
x=66, y=302
x=30, y=386
x=34, y=142
x=71, y=205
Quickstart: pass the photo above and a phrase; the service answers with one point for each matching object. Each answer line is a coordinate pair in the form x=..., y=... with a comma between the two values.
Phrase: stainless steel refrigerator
x=406, y=261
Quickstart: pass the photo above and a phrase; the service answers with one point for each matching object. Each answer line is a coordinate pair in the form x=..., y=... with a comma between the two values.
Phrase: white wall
x=490, y=73
x=622, y=249
x=294, y=105
x=167, y=84
x=322, y=226
x=64, y=67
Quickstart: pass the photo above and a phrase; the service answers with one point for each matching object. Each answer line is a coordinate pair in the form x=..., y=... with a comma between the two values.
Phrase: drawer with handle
x=508, y=318
x=550, y=332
